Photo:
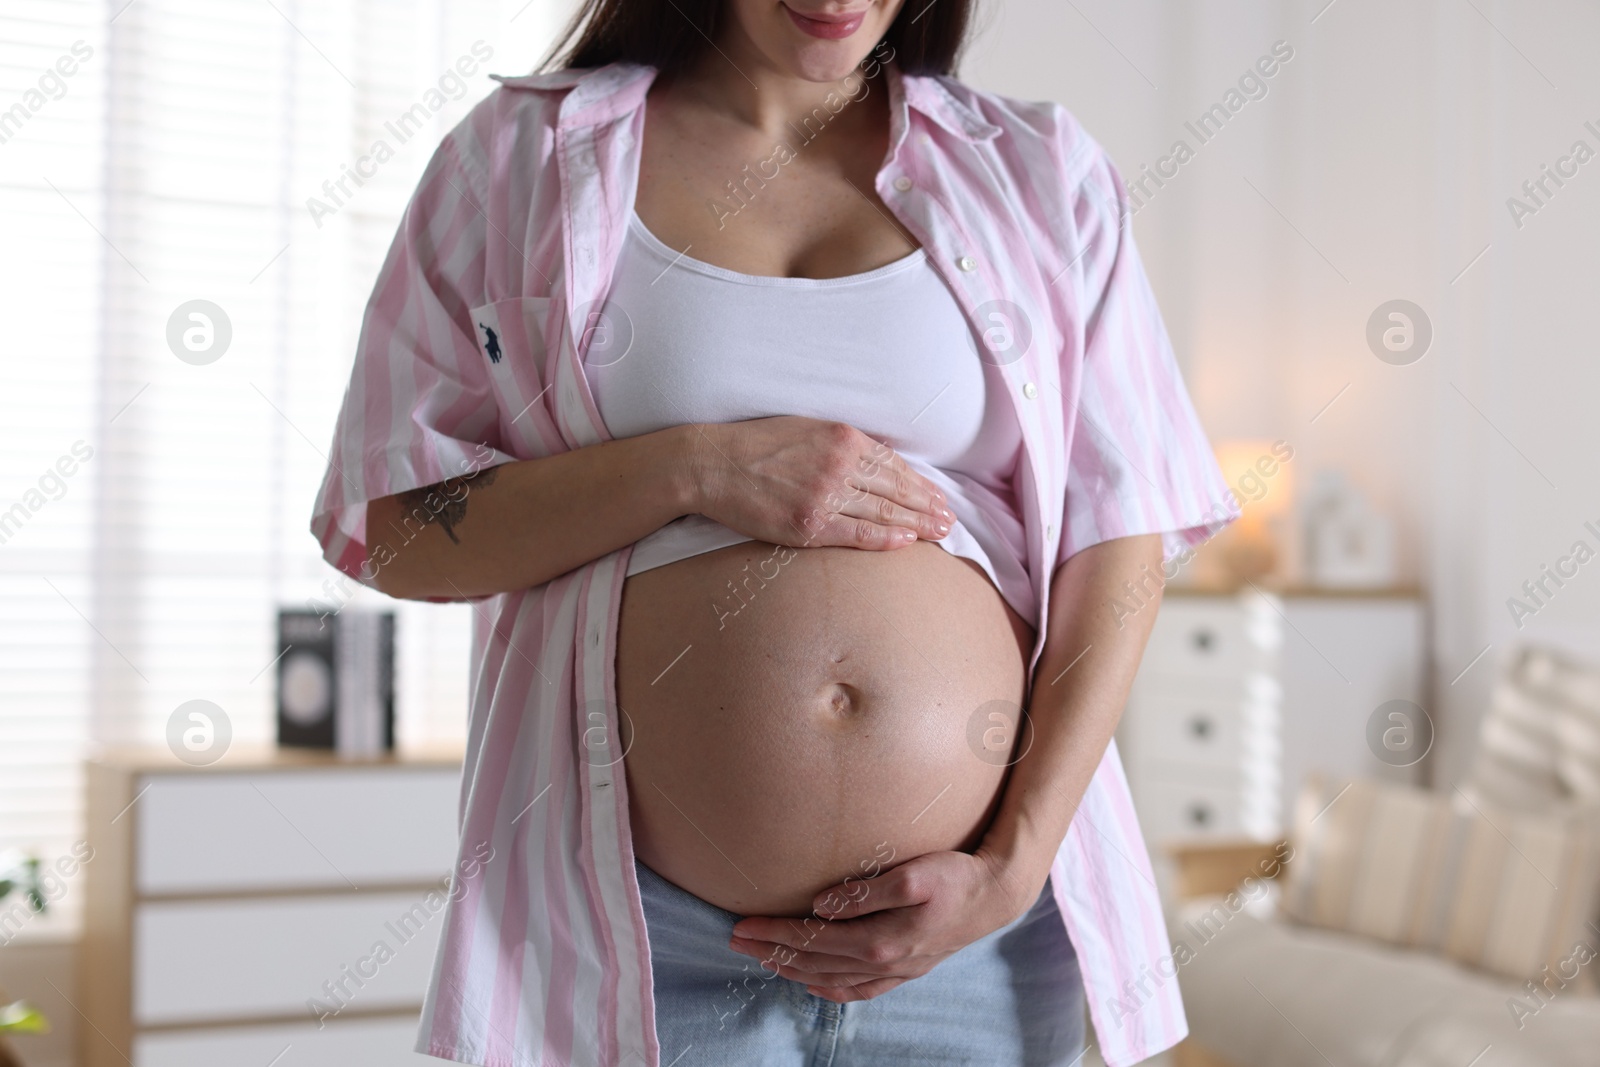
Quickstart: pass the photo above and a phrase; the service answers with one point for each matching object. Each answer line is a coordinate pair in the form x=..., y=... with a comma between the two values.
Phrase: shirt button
x=1030, y=391
x=967, y=263
x=903, y=184
x=1049, y=531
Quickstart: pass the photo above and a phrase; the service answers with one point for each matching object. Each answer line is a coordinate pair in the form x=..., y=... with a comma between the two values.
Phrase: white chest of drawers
x=1201, y=735
x=224, y=902
x=1239, y=696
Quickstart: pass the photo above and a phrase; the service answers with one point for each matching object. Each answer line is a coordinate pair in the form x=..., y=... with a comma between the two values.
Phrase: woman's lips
x=830, y=29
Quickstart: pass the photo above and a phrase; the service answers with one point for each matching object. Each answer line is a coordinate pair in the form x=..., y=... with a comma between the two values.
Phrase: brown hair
x=927, y=35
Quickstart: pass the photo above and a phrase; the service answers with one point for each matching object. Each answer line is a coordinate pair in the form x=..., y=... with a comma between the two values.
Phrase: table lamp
x=1258, y=472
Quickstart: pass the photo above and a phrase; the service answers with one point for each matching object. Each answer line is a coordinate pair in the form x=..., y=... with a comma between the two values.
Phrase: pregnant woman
x=799, y=423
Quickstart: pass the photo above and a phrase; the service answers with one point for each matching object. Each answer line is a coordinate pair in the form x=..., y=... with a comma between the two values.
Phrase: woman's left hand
x=879, y=933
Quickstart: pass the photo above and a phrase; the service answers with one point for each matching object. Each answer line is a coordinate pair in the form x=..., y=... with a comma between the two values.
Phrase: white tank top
x=887, y=351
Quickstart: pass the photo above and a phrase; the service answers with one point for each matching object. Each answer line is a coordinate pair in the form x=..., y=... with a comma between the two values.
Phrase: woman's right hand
x=801, y=482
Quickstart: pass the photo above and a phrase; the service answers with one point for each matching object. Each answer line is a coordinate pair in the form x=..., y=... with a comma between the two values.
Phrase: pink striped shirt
x=515, y=228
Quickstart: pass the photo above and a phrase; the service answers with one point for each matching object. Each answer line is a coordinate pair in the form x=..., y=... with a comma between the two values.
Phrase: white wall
x=1390, y=142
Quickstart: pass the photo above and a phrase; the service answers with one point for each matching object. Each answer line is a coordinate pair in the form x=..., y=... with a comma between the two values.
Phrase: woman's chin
x=821, y=62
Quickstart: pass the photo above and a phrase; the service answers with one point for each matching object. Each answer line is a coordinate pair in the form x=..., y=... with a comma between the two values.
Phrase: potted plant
x=20, y=876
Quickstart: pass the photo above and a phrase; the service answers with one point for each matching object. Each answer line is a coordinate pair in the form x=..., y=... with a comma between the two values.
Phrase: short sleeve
x=420, y=406
x=1139, y=461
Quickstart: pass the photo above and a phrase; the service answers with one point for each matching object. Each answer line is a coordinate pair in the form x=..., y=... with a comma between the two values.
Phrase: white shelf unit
x=1201, y=734
x=221, y=899
x=1240, y=695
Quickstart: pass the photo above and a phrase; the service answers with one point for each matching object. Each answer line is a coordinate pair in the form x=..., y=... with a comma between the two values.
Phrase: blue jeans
x=1014, y=997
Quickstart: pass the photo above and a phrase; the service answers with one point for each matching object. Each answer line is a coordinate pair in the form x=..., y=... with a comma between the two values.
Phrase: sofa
x=1502, y=973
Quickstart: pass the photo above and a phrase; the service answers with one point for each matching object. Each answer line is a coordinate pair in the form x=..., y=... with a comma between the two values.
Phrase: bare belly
x=794, y=717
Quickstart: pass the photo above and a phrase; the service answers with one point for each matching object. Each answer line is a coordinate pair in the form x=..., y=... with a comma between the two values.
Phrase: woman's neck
x=739, y=85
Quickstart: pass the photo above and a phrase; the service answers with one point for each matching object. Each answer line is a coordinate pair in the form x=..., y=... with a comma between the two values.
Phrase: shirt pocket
x=516, y=338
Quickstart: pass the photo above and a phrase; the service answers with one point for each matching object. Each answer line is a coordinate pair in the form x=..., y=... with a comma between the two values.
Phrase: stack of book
x=336, y=680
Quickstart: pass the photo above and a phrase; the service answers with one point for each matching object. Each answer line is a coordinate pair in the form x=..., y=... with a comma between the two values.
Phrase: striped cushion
x=1539, y=746
x=1504, y=891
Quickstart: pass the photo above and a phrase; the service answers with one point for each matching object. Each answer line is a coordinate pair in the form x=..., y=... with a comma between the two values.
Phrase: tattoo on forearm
x=444, y=503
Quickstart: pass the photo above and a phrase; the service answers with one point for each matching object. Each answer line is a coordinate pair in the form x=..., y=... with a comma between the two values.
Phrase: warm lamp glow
x=1259, y=476
x=1258, y=473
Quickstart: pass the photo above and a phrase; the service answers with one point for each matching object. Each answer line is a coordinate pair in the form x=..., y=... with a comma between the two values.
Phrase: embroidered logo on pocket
x=491, y=343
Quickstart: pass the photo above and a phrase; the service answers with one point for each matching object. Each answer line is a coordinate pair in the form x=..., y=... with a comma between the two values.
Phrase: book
x=336, y=680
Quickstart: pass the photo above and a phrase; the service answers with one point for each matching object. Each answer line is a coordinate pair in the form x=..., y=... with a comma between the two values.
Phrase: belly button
x=843, y=700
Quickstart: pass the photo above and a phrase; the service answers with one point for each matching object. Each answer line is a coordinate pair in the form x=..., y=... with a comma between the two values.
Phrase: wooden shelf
x=255, y=758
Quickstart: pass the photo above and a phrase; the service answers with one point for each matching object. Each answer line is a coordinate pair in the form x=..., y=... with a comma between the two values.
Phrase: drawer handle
x=1203, y=640
x=1200, y=814
x=1201, y=727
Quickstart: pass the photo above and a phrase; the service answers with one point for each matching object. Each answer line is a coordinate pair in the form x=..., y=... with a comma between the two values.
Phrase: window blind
x=199, y=150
